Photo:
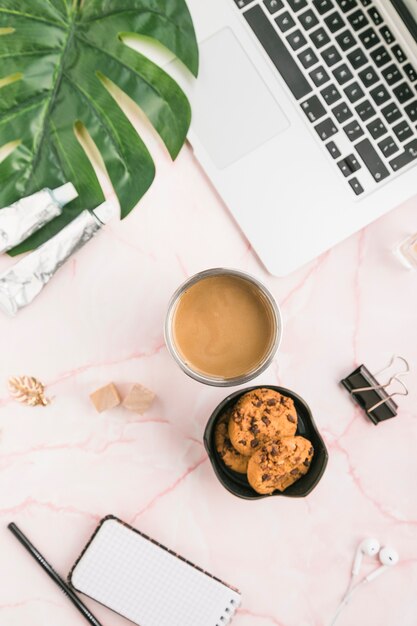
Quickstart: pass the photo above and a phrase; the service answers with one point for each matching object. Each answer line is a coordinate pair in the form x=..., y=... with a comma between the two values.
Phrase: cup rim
x=212, y=380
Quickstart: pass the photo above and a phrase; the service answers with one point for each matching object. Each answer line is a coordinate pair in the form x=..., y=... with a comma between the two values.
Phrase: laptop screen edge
x=404, y=11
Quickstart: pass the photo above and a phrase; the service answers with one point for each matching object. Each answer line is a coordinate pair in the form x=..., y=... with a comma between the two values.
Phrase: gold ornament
x=28, y=390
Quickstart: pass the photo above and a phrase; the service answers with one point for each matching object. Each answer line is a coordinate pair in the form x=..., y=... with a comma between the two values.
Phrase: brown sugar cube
x=105, y=398
x=139, y=399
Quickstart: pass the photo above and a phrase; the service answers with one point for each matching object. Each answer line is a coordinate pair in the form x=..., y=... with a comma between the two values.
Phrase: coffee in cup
x=223, y=327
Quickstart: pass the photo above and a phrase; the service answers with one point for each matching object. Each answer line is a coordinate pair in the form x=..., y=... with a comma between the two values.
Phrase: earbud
x=388, y=557
x=368, y=547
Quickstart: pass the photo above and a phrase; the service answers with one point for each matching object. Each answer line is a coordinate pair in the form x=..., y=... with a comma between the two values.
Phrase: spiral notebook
x=147, y=583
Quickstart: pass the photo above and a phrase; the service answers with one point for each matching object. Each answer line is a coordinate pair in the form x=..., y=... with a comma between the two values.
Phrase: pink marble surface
x=64, y=467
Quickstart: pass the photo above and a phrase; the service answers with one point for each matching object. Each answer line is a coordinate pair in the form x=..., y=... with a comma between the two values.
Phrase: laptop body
x=305, y=117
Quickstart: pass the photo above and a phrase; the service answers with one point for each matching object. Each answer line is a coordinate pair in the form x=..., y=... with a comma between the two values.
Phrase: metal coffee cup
x=269, y=303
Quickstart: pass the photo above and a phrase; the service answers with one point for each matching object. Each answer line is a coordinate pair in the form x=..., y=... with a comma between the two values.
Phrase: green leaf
x=55, y=56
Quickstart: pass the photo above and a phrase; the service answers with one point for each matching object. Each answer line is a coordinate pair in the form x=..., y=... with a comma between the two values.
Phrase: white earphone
x=368, y=547
x=388, y=557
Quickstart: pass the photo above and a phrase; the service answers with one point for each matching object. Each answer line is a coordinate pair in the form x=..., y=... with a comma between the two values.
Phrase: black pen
x=52, y=574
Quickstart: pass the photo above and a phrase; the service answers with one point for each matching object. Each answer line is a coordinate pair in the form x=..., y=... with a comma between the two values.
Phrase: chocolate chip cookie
x=259, y=416
x=279, y=463
x=230, y=457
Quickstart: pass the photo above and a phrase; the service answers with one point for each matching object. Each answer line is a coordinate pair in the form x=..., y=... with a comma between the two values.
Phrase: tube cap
x=106, y=211
x=64, y=194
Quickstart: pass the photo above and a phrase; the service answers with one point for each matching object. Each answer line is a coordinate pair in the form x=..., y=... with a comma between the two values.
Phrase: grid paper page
x=147, y=584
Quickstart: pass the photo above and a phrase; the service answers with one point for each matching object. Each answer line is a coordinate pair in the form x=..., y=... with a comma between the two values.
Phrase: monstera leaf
x=56, y=56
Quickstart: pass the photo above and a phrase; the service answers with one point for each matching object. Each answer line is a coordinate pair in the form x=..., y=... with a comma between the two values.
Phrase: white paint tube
x=21, y=219
x=20, y=284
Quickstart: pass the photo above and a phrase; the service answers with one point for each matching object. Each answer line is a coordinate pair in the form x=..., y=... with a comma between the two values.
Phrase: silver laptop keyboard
x=351, y=78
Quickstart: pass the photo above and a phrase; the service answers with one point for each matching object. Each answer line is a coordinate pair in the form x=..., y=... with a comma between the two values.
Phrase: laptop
x=305, y=117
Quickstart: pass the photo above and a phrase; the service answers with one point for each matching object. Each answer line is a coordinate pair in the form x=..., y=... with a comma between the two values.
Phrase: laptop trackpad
x=233, y=110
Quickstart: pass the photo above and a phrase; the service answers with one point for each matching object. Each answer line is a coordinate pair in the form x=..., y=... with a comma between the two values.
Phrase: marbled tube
x=20, y=284
x=21, y=219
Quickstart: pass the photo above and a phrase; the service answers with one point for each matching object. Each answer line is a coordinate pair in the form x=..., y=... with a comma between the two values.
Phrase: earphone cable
x=345, y=601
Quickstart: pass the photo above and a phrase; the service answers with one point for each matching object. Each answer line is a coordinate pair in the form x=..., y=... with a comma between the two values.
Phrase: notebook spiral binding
x=227, y=616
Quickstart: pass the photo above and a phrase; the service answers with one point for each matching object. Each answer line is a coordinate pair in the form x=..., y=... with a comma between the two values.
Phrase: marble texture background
x=64, y=467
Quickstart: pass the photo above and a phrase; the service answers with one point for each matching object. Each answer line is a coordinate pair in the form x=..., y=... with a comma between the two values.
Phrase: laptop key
x=377, y=128
x=323, y=6
x=368, y=76
x=403, y=93
x=344, y=168
x=399, y=53
x=380, y=94
x=392, y=74
x=277, y=52
x=319, y=37
x=354, y=92
x=388, y=147
x=353, y=130
x=375, y=16
x=334, y=22
x=285, y=21
x=403, y=131
x=391, y=113
x=365, y=110
x=369, y=38
x=411, y=72
x=308, y=19
x=353, y=163
x=357, y=58
x=326, y=129
x=313, y=108
x=347, y=5
x=297, y=5
x=408, y=156
x=372, y=160
x=274, y=5
x=296, y=40
x=331, y=56
x=411, y=110
x=333, y=149
x=330, y=94
x=356, y=186
x=308, y=58
x=319, y=76
x=358, y=20
x=387, y=34
x=342, y=74
x=342, y=113
x=346, y=40
x=381, y=56
x=242, y=3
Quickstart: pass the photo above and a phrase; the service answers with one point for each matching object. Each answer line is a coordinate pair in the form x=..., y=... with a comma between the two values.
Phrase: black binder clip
x=374, y=398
